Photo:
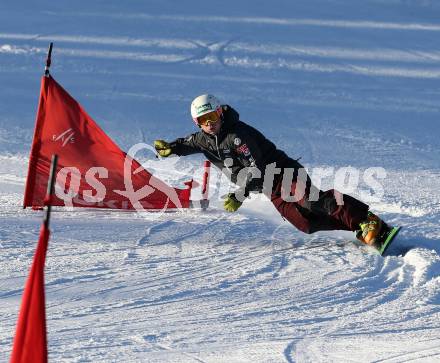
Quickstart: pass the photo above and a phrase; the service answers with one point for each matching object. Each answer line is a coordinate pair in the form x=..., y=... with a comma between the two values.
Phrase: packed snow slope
x=340, y=83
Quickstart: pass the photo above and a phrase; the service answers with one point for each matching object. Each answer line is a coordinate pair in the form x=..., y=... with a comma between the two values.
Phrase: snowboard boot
x=372, y=230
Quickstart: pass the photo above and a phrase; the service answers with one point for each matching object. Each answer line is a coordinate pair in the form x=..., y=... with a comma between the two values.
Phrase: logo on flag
x=65, y=137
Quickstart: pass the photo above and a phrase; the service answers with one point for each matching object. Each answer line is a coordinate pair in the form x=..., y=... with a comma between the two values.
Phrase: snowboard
x=391, y=235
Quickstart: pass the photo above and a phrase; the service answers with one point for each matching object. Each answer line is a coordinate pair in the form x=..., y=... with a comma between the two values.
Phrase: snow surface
x=339, y=82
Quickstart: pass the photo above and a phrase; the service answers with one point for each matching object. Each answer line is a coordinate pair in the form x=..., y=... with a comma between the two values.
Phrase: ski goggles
x=208, y=118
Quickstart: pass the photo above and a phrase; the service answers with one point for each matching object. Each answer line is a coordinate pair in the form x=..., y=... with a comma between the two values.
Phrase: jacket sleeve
x=185, y=145
x=250, y=154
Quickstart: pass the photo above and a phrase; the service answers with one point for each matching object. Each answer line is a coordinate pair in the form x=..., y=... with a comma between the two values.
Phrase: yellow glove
x=162, y=148
x=231, y=203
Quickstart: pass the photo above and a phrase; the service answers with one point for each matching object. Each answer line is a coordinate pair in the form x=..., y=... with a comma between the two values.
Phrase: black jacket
x=235, y=147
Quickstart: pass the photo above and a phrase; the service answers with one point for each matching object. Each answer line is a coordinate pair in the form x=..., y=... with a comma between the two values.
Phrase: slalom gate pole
x=206, y=174
x=50, y=189
x=48, y=60
x=204, y=202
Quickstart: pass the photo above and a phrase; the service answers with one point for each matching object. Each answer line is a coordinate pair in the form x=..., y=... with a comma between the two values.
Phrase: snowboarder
x=234, y=146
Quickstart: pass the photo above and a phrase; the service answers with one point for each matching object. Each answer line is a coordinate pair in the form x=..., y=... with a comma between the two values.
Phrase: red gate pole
x=205, y=182
x=204, y=202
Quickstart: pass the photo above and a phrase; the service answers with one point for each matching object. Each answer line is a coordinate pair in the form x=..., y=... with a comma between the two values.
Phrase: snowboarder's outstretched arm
x=185, y=146
x=180, y=146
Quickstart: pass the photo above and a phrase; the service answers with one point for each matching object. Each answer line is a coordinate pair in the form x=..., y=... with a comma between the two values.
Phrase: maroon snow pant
x=310, y=209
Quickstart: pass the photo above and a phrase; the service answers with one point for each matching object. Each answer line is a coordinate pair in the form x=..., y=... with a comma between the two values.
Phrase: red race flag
x=93, y=171
x=30, y=342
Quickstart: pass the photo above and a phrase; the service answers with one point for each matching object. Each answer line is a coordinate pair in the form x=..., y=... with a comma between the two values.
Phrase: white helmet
x=204, y=104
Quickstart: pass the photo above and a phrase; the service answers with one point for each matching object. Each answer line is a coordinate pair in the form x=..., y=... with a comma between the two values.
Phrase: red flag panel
x=30, y=342
x=93, y=171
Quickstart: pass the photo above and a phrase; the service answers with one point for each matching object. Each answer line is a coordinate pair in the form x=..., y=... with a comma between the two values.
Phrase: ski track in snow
x=197, y=286
x=214, y=275
x=234, y=54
